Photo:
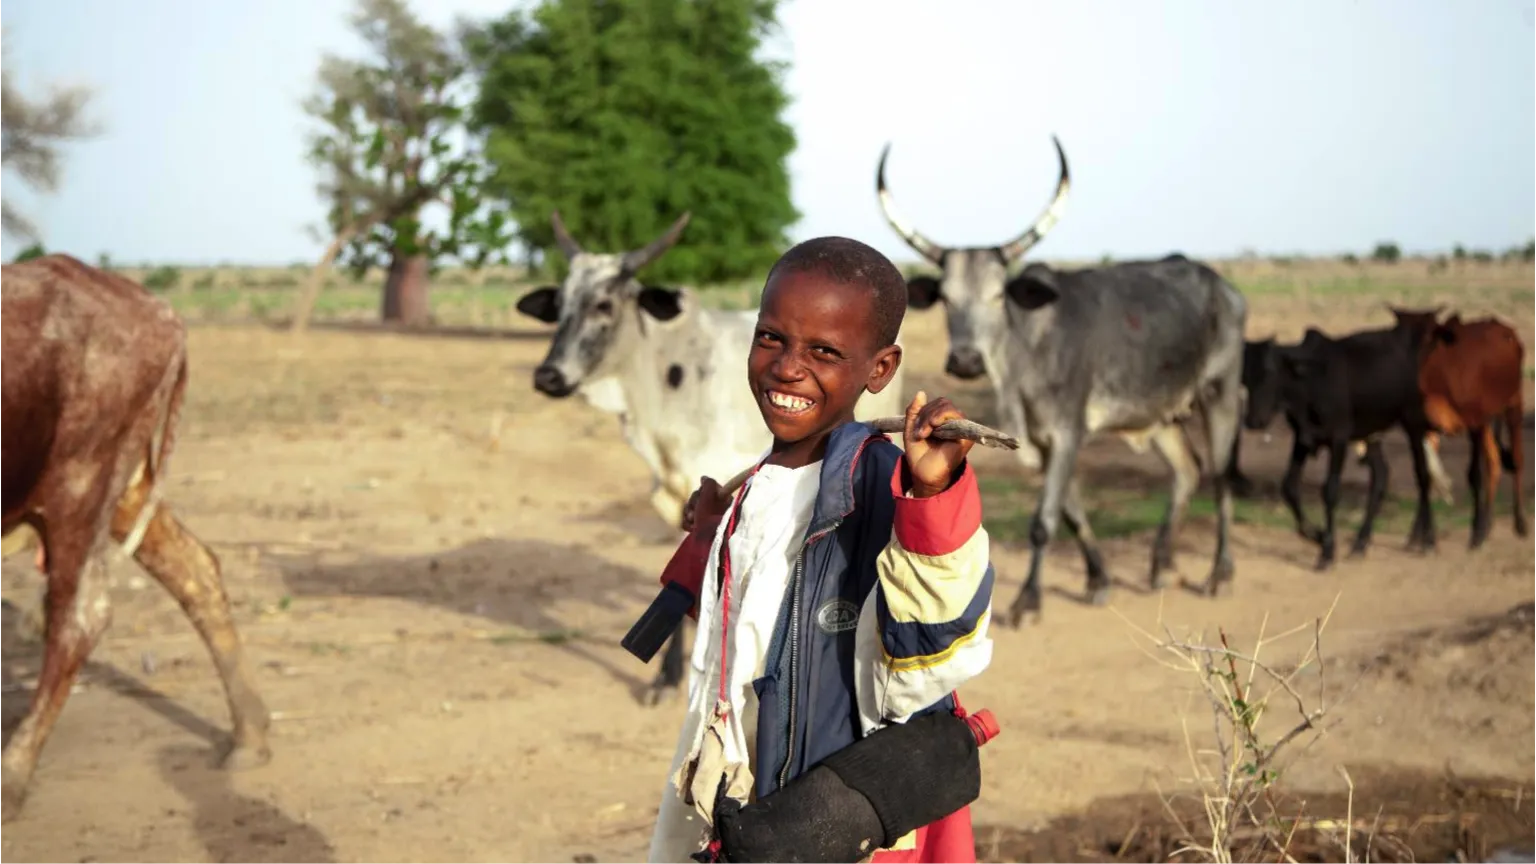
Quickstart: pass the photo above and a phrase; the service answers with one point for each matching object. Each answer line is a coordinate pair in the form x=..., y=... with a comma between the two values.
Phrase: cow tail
x=160, y=452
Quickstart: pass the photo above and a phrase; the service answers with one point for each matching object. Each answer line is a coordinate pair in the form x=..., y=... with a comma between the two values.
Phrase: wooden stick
x=949, y=430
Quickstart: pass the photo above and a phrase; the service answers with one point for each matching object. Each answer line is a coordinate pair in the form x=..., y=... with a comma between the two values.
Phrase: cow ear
x=663, y=304
x=1033, y=288
x=541, y=303
x=922, y=292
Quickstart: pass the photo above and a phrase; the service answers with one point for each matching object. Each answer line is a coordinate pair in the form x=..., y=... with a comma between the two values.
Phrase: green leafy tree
x=392, y=143
x=32, y=129
x=622, y=114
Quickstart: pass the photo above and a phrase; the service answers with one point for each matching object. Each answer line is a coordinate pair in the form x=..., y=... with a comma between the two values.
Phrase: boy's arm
x=934, y=595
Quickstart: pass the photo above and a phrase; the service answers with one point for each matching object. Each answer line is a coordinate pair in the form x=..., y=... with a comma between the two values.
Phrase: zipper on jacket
x=796, y=593
x=794, y=662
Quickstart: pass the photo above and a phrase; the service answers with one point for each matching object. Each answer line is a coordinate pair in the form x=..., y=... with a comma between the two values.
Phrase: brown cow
x=1471, y=375
x=94, y=370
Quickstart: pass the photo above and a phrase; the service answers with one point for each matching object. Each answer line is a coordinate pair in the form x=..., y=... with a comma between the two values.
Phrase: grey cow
x=674, y=372
x=1131, y=349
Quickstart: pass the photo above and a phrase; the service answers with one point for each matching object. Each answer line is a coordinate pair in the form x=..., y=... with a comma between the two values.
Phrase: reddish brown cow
x=94, y=370
x=1470, y=373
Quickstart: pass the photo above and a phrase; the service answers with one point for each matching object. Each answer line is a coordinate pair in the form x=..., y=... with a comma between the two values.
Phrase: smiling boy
x=848, y=586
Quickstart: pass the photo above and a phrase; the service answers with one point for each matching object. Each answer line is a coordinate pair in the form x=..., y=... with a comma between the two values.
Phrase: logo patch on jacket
x=837, y=616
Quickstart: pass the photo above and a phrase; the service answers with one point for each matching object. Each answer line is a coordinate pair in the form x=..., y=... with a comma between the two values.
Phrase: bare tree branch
x=31, y=134
x=1235, y=776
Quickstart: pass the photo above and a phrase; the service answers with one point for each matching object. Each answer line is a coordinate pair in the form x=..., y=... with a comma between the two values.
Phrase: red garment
x=947, y=841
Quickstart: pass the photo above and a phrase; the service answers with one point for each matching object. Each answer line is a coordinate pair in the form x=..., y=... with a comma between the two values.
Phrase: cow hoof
x=1016, y=619
x=1357, y=551
x=244, y=757
x=1522, y=527
x=1324, y=562
x=660, y=694
x=1098, y=596
x=1219, y=582
x=13, y=795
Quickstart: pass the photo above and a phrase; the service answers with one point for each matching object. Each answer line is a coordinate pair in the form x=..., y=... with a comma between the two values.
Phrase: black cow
x=1334, y=392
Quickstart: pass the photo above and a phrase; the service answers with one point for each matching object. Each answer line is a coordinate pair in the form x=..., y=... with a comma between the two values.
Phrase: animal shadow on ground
x=235, y=827
x=510, y=582
x=24, y=659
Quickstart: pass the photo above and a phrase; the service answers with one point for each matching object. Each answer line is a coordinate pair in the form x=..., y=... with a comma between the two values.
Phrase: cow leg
x=1439, y=480
x=1238, y=482
x=1483, y=477
x=78, y=611
x=1475, y=479
x=1290, y=490
x=1514, y=419
x=1422, y=536
x=1222, y=421
x=1338, y=451
x=1060, y=458
x=1076, y=519
x=1170, y=444
x=669, y=680
x=190, y=572
x=1376, y=462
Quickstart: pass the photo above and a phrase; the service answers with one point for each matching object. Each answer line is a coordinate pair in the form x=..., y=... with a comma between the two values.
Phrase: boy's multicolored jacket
x=886, y=614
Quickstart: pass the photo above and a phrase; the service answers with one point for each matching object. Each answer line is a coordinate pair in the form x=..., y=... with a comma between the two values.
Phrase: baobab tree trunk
x=405, y=291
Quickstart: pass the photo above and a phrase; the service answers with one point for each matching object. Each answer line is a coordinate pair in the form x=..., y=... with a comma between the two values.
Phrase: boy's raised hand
x=932, y=461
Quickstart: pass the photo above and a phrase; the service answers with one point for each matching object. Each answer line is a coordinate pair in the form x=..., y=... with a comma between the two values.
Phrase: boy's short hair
x=849, y=262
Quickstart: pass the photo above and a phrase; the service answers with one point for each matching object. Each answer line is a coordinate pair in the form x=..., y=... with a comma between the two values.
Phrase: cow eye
x=604, y=307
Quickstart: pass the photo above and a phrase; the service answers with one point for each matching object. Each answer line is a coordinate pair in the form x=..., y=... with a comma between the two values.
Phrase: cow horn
x=638, y=258
x=567, y=243
x=1018, y=246
x=922, y=245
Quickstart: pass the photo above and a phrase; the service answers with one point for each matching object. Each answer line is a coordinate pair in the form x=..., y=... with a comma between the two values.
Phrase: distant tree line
x=1388, y=252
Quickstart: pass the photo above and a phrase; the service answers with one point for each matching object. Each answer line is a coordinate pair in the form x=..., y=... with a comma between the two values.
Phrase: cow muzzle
x=551, y=382
x=965, y=364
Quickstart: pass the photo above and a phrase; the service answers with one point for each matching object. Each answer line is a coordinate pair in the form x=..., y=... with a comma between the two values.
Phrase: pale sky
x=1202, y=127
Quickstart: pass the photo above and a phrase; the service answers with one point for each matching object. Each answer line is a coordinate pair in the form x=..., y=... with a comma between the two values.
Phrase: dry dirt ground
x=432, y=565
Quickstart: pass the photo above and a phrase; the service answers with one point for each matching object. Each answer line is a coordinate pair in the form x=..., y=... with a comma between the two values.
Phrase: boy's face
x=813, y=355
